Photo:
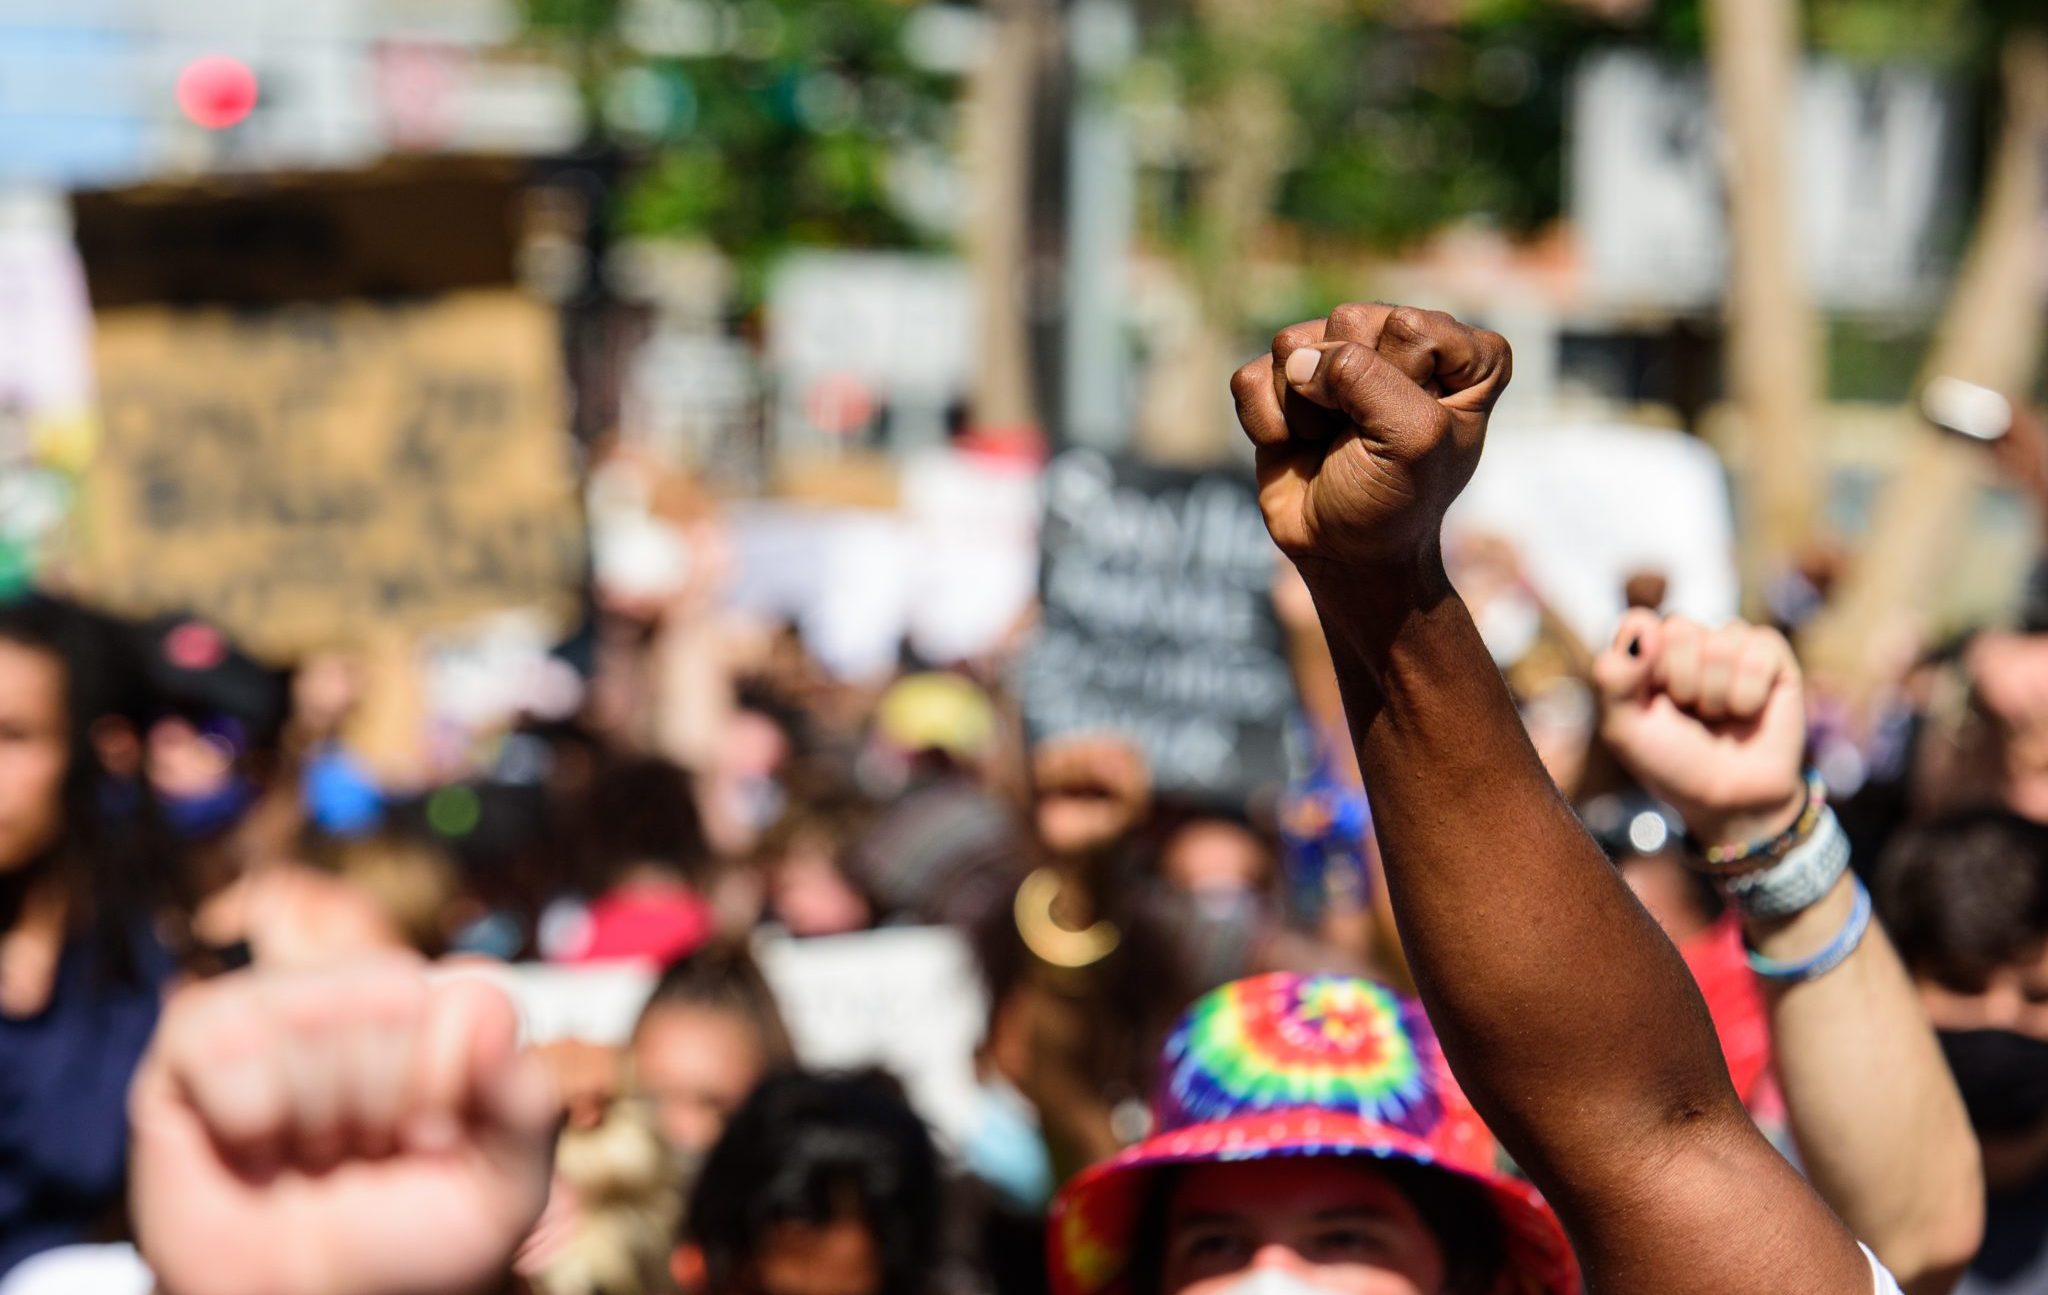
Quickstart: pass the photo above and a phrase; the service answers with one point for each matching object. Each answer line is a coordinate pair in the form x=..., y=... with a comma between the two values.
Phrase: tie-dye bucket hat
x=1290, y=1065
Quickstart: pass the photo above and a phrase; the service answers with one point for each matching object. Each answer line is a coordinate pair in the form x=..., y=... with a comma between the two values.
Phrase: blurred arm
x=1714, y=722
x=1880, y=1125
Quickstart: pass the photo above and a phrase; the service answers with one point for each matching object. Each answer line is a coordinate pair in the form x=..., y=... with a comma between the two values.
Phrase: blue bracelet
x=1820, y=964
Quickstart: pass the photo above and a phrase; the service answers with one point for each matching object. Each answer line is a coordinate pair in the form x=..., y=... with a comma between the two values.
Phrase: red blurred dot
x=217, y=91
x=839, y=404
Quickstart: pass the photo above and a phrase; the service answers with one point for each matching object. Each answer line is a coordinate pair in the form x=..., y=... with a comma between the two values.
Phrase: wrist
x=1732, y=827
x=1362, y=605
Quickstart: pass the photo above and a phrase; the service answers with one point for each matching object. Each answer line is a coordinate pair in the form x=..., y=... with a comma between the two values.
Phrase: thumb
x=1622, y=672
x=473, y=1071
x=1365, y=387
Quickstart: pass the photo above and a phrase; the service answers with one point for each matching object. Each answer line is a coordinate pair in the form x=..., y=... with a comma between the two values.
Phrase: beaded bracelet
x=1728, y=860
x=1796, y=882
x=1820, y=964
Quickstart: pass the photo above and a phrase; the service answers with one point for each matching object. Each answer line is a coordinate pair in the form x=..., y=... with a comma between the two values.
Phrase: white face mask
x=1273, y=1281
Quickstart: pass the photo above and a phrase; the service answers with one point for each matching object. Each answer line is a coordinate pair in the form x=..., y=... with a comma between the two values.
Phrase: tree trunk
x=1244, y=133
x=1773, y=337
x=1991, y=334
x=999, y=115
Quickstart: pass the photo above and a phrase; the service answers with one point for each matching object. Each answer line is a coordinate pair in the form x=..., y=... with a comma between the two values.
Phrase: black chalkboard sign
x=1158, y=624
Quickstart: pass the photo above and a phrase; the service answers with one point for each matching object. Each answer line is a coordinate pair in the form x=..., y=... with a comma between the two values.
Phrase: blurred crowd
x=172, y=811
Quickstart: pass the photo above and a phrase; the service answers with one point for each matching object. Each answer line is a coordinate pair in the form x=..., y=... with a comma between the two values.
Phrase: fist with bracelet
x=1714, y=723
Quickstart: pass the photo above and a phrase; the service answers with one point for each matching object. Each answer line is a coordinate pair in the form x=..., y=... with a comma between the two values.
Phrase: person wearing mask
x=81, y=969
x=646, y=865
x=355, y=1144
x=1568, y=1018
x=1308, y=1138
x=1966, y=899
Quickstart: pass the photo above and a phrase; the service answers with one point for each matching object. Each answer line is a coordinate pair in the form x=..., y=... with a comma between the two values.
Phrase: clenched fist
x=1713, y=722
x=352, y=1132
x=1367, y=425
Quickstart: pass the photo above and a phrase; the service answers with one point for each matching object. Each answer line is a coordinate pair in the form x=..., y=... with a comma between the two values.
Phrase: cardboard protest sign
x=302, y=474
x=1158, y=623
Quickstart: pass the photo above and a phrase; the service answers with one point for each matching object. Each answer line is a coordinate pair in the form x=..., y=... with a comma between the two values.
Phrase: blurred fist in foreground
x=1713, y=722
x=1367, y=425
x=352, y=1132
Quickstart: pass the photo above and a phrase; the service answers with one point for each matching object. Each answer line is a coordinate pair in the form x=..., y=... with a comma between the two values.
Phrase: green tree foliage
x=772, y=123
x=1406, y=124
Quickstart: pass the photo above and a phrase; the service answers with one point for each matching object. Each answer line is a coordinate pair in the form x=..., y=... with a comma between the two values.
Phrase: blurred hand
x=2009, y=675
x=1092, y=790
x=1713, y=722
x=2022, y=453
x=1367, y=425
x=586, y=1078
x=359, y=1132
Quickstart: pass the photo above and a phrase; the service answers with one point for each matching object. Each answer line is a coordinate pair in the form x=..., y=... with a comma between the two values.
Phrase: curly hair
x=1965, y=894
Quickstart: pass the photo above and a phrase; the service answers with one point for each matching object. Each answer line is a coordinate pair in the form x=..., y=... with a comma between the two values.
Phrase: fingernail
x=1301, y=366
x=1635, y=646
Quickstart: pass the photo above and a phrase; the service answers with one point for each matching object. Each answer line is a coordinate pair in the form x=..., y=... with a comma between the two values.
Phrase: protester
x=1966, y=898
x=1606, y=1086
x=1308, y=1136
x=1715, y=723
x=646, y=865
x=821, y=1185
x=1574, y=1028
x=81, y=966
x=709, y=1034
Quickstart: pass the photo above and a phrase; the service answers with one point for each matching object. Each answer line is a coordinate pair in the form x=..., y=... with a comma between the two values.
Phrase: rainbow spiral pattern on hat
x=1286, y=1042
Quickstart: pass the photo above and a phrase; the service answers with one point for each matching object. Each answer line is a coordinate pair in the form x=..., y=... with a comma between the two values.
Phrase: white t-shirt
x=81, y=1270
x=1886, y=1283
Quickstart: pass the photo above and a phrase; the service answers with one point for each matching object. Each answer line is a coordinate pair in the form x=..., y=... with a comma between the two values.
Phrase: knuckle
x=1411, y=324
x=1294, y=337
x=308, y=1012
x=1493, y=348
x=392, y=1002
x=1351, y=315
x=236, y=1041
x=1247, y=381
x=1349, y=365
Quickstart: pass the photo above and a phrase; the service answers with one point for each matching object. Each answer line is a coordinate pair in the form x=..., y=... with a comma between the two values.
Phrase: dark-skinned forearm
x=1570, y=1019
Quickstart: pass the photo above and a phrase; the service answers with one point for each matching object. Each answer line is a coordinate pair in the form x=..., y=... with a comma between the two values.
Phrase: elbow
x=1931, y=1257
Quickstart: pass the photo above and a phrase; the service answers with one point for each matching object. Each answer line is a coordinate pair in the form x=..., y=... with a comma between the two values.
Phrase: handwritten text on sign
x=301, y=474
x=1158, y=623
